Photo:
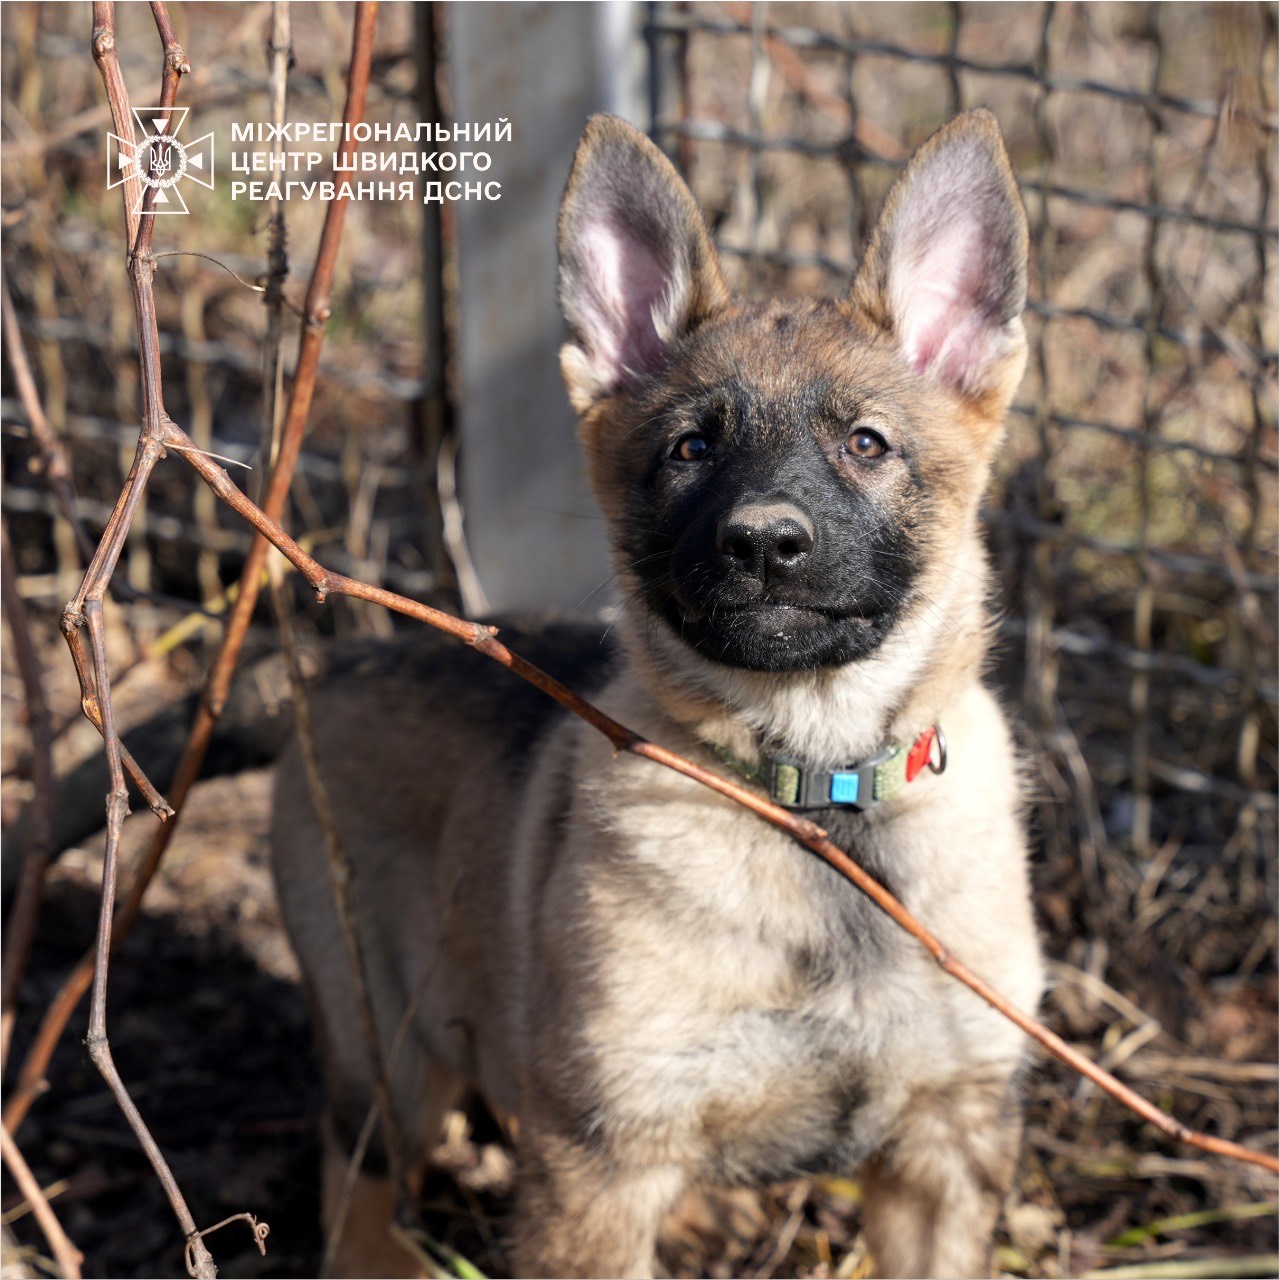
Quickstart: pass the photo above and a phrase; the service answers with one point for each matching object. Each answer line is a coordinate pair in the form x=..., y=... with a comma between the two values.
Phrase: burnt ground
x=208, y=1028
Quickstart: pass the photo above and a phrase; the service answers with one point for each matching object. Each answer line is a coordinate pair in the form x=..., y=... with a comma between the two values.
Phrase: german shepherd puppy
x=663, y=990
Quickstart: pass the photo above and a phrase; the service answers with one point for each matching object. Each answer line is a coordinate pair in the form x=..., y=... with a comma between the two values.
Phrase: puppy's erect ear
x=945, y=272
x=637, y=268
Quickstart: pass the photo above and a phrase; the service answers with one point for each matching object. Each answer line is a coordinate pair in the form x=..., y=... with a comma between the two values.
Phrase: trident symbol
x=160, y=161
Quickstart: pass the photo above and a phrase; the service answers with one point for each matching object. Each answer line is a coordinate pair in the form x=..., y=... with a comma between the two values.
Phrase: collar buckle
x=859, y=786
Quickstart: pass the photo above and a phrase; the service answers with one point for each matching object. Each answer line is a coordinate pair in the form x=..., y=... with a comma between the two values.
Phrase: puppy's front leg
x=932, y=1197
x=582, y=1211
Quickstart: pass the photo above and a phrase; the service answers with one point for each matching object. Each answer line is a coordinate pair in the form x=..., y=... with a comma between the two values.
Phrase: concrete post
x=533, y=530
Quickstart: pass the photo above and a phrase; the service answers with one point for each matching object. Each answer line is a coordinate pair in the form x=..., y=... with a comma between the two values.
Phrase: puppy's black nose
x=765, y=539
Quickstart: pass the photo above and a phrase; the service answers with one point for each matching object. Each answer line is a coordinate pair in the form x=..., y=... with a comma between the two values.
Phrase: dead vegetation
x=1137, y=553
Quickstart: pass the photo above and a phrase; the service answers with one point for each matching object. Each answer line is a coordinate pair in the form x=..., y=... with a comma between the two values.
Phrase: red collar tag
x=920, y=754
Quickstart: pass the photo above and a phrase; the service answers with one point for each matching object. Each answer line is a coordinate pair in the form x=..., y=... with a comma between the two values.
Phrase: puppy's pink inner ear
x=627, y=285
x=936, y=290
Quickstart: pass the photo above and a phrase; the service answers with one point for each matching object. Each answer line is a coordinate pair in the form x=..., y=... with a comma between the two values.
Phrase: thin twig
x=21, y=928
x=809, y=834
x=57, y=469
x=85, y=610
x=260, y=1232
x=280, y=58
x=92, y=710
x=337, y=1223
x=474, y=602
x=341, y=869
x=175, y=67
x=104, y=54
x=65, y=1253
x=342, y=883
x=217, y=262
x=30, y=1081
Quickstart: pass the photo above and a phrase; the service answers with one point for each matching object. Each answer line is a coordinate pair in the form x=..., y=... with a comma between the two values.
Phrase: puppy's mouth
x=783, y=613
x=777, y=635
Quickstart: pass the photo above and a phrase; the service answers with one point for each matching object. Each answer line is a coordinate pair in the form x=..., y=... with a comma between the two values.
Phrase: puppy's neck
x=827, y=716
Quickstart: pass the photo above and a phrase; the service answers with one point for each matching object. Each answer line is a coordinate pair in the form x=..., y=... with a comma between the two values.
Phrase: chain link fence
x=365, y=494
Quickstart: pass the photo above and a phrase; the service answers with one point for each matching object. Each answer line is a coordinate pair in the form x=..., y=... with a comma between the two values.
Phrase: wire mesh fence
x=368, y=456
x=1133, y=522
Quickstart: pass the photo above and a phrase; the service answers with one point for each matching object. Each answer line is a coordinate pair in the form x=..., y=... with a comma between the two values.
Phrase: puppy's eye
x=691, y=448
x=865, y=443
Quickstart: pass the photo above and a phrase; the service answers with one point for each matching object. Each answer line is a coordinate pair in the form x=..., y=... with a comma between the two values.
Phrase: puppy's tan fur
x=665, y=991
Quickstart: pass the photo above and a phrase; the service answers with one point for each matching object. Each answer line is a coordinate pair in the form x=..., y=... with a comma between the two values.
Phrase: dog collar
x=794, y=785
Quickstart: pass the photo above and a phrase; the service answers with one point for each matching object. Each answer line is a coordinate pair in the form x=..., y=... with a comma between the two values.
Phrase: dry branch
x=85, y=610
x=65, y=1253
x=30, y=1081
x=260, y=1232
x=21, y=926
x=57, y=469
x=341, y=869
x=809, y=834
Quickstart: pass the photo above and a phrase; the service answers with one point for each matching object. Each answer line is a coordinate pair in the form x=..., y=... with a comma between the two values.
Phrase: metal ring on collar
x=939, y=741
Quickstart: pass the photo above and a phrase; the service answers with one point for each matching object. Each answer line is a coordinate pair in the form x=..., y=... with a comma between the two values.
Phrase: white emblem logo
x=160, y=160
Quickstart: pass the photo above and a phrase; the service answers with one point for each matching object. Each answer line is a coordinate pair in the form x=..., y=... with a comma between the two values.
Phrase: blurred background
x=1132, y=524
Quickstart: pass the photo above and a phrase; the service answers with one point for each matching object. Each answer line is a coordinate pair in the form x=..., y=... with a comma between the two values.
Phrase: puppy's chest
x=788, y=1014
x=862, y=1022
x=807, y=1077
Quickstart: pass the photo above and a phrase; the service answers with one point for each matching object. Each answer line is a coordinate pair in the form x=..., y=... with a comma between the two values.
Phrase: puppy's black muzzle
x=777, y=562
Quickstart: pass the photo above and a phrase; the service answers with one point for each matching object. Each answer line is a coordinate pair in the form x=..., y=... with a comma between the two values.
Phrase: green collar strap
x=794, y=785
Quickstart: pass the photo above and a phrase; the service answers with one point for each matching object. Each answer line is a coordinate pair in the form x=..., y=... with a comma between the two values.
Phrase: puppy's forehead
x=812, y=354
